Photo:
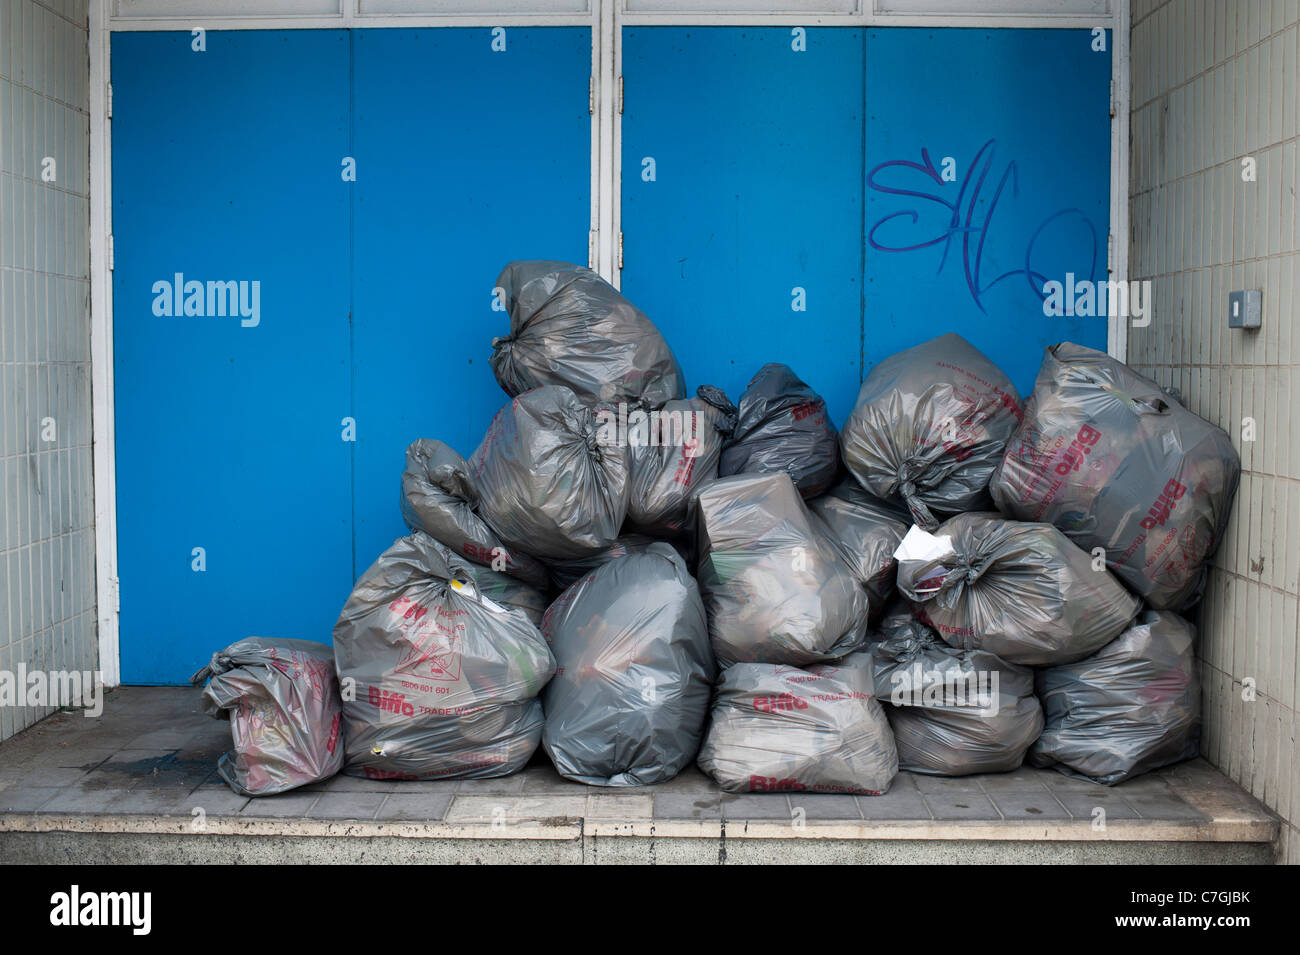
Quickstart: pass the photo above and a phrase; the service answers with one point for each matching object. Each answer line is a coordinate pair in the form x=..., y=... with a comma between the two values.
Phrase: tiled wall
x=47, y=555
x=1215, y=82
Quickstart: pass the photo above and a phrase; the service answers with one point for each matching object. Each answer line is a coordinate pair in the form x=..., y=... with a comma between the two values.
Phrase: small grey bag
x=782, y=729
x=1131, y=707
x=633, y=672
x=775, y=588
x=445, y=680
x=282, y=700
x=929, y=427
x=439, y=498
x=570, y=327
x=1116, y=462
x=954, y=712
x=783, y=427
x=548, y=484
x=686, y=439
x=1021, y=591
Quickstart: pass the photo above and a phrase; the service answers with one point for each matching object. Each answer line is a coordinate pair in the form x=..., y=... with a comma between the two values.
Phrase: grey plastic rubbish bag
x=783, y=426
x=1115, y=461
x=570, y=327
x=548, y=484
x=866, y=531
x=633, y=672
x=1021, y=591
x=683, y=454
x=566, y=573
x=954, y=712
x=929, y=427
x=439, y=497
x=775, y=589
x=784, y=729
x=282, y=700
x=446, y=680
x=1133, y=706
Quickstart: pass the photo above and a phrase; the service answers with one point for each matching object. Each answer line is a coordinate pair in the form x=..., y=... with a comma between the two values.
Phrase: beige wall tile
x=1205, y=99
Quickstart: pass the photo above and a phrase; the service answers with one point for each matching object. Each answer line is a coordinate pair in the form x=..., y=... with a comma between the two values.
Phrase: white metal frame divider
x=606, y=18
x=101, y=348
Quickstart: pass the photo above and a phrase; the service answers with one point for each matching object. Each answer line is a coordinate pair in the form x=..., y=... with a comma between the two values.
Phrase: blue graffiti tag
x=961, y=220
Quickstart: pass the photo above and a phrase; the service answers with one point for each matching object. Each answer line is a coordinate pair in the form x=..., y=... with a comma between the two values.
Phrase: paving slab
x=1021, y=804
x=421, y=807
x=961, y=805
x=621, y=805
x=348, y=805
x=511, y=809
x=290, y=805
x=901, y=802
x=1085, y=805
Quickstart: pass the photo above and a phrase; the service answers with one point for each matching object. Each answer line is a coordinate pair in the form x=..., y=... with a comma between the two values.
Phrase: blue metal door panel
x=226, y=168
x=1024, y=117
x=228, y=437
x=467, y=158
x=757, y=191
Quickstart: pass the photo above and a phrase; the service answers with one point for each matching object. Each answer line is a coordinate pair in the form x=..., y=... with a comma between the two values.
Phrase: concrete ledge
x=122, y=848
x=1224, y=830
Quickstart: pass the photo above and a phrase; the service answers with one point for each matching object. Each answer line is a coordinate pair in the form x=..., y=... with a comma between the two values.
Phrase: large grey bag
x=955, y=712
x=570, y=327
x=1116, y=462
x=633, y=672
x=445, y=679
x=929, y=427
x=686, y=439
x=866, y=531
x=783, y=427
x=439, y=498
x=775, y=588
x=547, y=484
x=1021, y=591
x=783, y=729
x=282, y=700
x=1133, y=706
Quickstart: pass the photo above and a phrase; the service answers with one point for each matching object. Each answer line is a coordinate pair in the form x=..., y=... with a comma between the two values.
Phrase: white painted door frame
x=606, y=18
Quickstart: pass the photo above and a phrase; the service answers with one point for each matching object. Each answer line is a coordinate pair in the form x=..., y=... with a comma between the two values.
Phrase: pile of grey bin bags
x=956, y=581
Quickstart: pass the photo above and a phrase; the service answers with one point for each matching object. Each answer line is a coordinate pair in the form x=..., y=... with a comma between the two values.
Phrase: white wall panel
x=190, y=9
x=1214, y=84
x=47, y=533
x=995, y=7
x=460, y=7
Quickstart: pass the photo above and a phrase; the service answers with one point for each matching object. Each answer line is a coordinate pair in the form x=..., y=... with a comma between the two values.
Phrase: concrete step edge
x=1234, y=830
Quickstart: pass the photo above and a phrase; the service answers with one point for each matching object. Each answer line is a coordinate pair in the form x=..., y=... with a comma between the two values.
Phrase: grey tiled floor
x=153, y=752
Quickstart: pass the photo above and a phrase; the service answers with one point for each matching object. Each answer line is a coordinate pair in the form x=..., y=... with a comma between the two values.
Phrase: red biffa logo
x=782, y=702
x=770, y=784
x=387, y=702
x=1163, y=505
x=1081, y=446
x=807, y=409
